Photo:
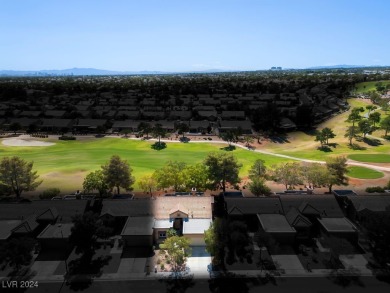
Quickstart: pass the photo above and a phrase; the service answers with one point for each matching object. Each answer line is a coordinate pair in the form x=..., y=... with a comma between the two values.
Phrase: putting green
x=370, y=158
x=363, y=173
x=65, y=164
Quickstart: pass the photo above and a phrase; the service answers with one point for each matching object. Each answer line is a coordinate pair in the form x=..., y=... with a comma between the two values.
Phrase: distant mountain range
x=338, y=66
x=91, y=71
x=94, y=71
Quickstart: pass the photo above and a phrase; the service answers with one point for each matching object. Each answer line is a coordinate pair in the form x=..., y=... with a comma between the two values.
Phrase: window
x=162, y=235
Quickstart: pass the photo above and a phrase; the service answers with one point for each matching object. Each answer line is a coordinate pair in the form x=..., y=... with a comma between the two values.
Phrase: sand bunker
x=25, y=142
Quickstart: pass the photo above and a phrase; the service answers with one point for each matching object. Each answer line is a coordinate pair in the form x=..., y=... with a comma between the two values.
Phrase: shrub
x=50, y=193
x=162, y=266
x=375, y=189
x=159, y=146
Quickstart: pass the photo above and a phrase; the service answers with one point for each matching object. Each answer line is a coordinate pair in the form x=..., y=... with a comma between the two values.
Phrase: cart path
x=349, y=162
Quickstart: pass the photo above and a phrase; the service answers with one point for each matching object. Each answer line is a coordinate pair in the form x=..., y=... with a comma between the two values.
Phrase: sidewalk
x=238, y=274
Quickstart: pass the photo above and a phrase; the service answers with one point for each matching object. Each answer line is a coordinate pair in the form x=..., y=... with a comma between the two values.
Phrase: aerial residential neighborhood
x=248, y=191
x=195, y=146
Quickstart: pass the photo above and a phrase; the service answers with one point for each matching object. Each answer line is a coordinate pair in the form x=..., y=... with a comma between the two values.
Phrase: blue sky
x=172, y=35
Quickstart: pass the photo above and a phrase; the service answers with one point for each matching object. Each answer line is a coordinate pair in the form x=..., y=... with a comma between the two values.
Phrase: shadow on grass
x=356, y=147
x=310, y=131
x=325, y=149
x=281, y=138
x=158, y=146
x=228, y=148
x=372, y=141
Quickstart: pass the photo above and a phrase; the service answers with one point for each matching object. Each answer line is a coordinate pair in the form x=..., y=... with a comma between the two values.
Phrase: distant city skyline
x=173, y=36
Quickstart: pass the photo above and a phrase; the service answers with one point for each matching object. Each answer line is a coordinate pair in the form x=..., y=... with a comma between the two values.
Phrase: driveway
x=132, y=265
x=45, y=268
x=289, y=263
x=357, y=261
x=199, y=261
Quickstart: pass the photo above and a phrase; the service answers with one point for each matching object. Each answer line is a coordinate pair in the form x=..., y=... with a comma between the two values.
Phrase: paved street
x=281, y=285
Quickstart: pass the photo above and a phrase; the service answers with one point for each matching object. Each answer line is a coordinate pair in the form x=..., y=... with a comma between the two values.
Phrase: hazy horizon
x=174, y=36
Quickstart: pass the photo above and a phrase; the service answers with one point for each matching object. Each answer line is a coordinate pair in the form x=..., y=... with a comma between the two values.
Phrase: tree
x=117, y=173
x=183, y=128
x=258, y=169
x=354, y=116
x=385, y=124
x=5, y=189
x=85, y=233
x=288, y=174
x=172, y=174
x=328, y=134
x=126, y=132
x=374, y=96
x=215, y=240
x=229, y=136
x=365, y=127
x=18, y=175
x=16, y=252
x=196, y=177
x=257, y=187
x=248, y=140
x=238, y=242
x=148, y=184
x=351, y=133
x=222, y=168
x=145, y=128
x=315, y=174
x=158, y=132
x=374, y=118
x=257, y=137
x=371, y=108
x=320, y=137
x=15, y=127
x=177, y=249
x=337, y=167
x=96, y=181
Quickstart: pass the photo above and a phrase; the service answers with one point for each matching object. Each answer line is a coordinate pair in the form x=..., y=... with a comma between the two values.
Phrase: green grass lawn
x=363, y=173
x=365, y=87
x=370, y=158
x=65, y=164
x=302, y=144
